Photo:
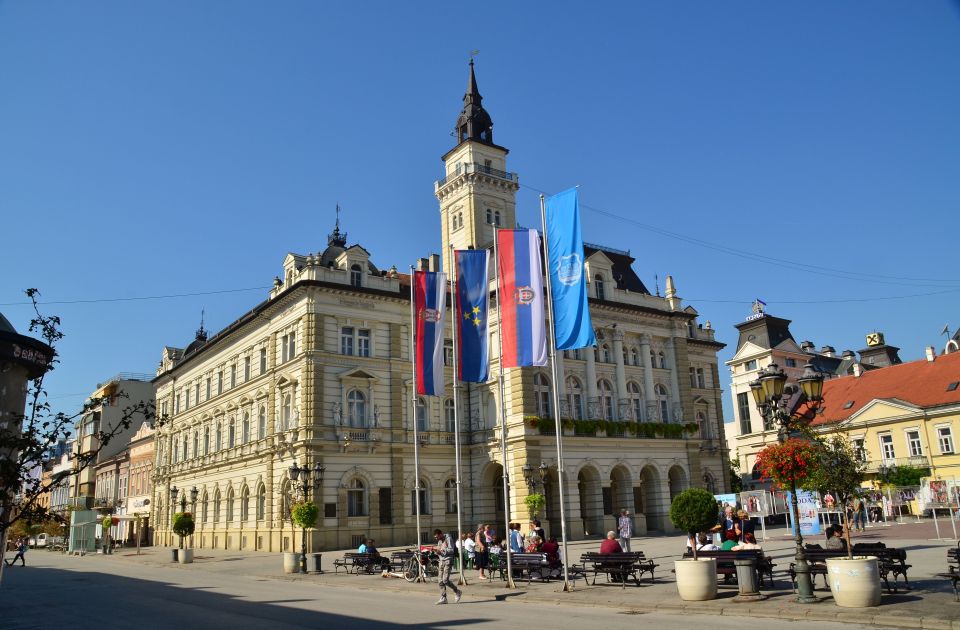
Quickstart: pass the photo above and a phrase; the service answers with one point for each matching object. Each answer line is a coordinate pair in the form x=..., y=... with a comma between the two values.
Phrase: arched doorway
x=591, y=500
x=677, y=479
x=491, y=503
x=650, y=506
x=621, y=491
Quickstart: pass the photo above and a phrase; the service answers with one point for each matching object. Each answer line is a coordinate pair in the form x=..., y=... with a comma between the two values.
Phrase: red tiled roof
x=922, y=383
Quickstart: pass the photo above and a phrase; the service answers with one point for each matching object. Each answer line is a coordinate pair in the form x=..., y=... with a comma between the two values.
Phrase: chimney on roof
x=857, y=370
x=807, y=346
x=931, y=354
x=848, y=354
x=827, y=351
x=423, y=264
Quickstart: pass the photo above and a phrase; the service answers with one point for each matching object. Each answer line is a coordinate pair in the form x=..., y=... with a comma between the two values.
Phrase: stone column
x=649, y=394
x=621, y=373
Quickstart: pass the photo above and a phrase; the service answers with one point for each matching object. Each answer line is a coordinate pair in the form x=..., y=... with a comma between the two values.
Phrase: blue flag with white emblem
x=572, y=326
x=473, y=291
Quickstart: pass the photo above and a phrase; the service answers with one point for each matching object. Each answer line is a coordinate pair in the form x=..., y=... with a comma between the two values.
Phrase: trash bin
x=313, y=563
x=173, y=554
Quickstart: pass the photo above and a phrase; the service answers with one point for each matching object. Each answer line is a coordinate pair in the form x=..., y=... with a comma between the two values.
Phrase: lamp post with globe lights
x=773, y=399
x=304, y=479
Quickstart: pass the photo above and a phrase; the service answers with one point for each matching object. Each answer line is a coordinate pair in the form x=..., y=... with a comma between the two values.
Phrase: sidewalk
x=930, y=603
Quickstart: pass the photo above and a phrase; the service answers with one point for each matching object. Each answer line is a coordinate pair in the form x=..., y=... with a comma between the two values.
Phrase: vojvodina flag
x=429, y=304
x=473, y=293
x=572, y=327
x=523, y=337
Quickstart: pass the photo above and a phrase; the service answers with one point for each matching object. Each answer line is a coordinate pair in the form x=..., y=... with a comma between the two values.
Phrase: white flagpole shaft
x=454, y=302
x=503, y=420
x=556, y=400
x=413, y=417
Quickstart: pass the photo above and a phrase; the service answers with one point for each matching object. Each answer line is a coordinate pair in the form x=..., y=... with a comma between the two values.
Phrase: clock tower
x=477, y=193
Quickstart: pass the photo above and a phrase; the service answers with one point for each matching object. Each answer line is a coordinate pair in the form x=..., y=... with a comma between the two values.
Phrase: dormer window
x=598, y=281
x=356, y=276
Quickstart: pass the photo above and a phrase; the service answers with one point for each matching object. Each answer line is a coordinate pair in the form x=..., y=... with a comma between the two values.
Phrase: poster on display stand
x=875, y=504
x=757, y=505
x=904, y=496
x=809, y=519
x=934, y=495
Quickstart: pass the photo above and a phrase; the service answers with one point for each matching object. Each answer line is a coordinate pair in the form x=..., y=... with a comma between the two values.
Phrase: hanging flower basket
x=792, y=462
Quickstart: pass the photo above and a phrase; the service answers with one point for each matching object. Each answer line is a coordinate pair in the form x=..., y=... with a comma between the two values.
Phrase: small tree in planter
x=183, y=525
x=694, y=510
x=840, y=472
x=535, y=503
x=305, y=515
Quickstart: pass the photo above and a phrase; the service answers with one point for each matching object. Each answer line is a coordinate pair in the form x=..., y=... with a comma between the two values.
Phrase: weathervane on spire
x=201, y=332
x=473, y=53
x=335, y=237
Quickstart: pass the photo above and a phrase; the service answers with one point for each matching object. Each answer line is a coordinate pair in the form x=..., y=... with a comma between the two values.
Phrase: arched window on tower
x=575, y=397
x=356, y=408
x=356, y=276
x=662, y=403
x=541, y=389
x=636, y=400
x=598, y=282
x=606, y=399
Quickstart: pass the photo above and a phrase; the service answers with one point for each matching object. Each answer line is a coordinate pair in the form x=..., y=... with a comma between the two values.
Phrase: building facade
x=320, y=373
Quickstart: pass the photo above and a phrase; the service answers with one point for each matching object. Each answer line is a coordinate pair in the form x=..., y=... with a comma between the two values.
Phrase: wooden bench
x=726, y=562
x=355, y=562
x=398, y=560
x=620, y=565
x=531, y=564
x=953, y=569
x=890, y=561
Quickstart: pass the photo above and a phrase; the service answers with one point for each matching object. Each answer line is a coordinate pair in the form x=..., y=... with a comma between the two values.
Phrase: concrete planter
x=696, y=579
x=291, y=562
x=854, y=583
x=186, y=556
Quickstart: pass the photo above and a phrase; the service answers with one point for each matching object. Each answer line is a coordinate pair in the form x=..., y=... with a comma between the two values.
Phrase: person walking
x=625, y=529
x=447, y=552
x=21, y=551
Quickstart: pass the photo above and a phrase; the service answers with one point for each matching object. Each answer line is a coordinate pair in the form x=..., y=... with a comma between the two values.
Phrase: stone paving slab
x=930, y=604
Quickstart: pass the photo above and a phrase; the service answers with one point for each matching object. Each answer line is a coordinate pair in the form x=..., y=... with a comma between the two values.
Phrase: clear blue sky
x=155, y=148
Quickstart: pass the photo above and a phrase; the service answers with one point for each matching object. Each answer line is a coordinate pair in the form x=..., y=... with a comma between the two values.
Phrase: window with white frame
x=356, y=276
x=206, y=440
x=346, y=340
x=424, y=499
x=262, y=423
x=209, y=389
x=634, y=357
x=363, y=342
x=261, y=502
x=750, y=365
x=541, y=390
x=233, y=376
x=356, y=498
x=606, y=399
x=196, y=443
x=886, y=447
x=263, y=361
x=914, y=447
x=945, y=439
x=575, y=397
x=635, y=395
x=356, y=408
x=229, y=518
x=449, y=414
x=245, y=504
x=662, y=402
x=858, y=448
x=701, y=378
x=422, y=424
x=598, y=286
x=286, y=413
x=450, y=495
x=219, y=436
x=662, y=359
x=231, y=432
x=216, y=506
x=448, y=352
x=246, y=369
x=288, y=346
x=196, y=393
x=219, y=382
x=245, y=428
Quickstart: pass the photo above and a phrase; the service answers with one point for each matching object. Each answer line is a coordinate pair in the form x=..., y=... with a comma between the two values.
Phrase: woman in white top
x=749, y=542
x=704, y=543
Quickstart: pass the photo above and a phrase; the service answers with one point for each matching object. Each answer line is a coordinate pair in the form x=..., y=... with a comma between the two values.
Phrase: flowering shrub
x=794, y=461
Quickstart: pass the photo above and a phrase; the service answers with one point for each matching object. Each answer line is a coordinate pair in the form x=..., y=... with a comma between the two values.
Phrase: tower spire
x=474, y=122
x=202, y=332
x=336, y=237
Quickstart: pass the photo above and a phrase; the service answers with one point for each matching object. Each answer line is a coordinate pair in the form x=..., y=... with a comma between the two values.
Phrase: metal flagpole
x=567, y=586
x=454, y=302
x=503, y=421
x=416, y=438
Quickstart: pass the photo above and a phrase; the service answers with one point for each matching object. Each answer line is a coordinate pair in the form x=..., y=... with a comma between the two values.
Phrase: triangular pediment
x=746, y=351
x=789, y=345
x=357, y=374
x=880, y=408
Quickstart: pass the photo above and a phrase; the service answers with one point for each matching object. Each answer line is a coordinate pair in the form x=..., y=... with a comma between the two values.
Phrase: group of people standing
x=734, y=531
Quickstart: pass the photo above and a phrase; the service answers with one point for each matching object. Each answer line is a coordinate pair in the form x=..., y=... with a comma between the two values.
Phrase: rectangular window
x=945, y=438
x=743, y=409
x=790, y=362
x=886, y=447
x=219, y=382
x=186, y=398
x=176, y=404
x=263, y=361
x=196, y=394
x=751, y=365
x=291, y=345
x=424, y=505
x=209, y=390
x=233, y=376
x=693, y=377
x=164, y=408
x=701, y=378
x=363, y=343
x=330, y=509
x=448, y=352
x=246, y=369
x=913, y=442
x=858, y=449
x=346, y=340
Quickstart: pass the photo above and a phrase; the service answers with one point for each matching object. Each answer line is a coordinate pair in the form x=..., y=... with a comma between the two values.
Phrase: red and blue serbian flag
x=473, y=292
x=523, y=334
x=429, y=304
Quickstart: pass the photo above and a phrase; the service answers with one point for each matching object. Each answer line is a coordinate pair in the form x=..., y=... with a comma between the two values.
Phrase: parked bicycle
x=421, y=566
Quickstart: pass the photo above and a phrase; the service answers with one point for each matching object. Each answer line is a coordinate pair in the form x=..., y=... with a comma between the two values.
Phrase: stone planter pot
x=186, y=556
x=173, y=554
x=854, y=583
x=291, y=562
x=696, y=579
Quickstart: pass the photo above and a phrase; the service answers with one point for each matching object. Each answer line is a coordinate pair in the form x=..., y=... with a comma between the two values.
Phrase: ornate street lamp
x=302, y=483
x=768, y=394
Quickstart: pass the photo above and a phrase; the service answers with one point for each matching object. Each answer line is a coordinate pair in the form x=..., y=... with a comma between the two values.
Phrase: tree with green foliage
x=694, y=510
x=183, y=525
x=736, y=481
x=840, y=471
x=535, y=502
x=905, y=476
